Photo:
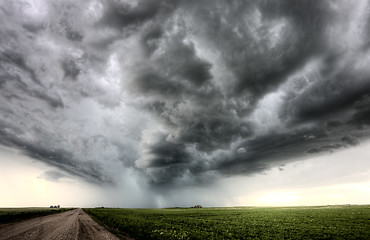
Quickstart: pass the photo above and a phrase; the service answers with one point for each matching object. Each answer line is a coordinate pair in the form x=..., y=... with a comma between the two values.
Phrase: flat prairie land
x=318, y=222
x=68, y=225
x=8, y=215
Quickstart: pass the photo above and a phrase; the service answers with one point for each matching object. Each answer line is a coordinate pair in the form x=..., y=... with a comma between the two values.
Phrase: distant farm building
x=197, y=206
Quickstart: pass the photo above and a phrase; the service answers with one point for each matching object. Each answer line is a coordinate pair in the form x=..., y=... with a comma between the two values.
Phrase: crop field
x=323, y=222
x=8, y=215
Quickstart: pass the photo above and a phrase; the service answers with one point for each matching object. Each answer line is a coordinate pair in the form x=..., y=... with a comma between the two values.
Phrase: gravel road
x=74, y=224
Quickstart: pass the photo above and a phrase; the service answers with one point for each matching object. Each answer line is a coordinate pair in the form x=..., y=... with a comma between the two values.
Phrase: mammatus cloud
x=182, y=92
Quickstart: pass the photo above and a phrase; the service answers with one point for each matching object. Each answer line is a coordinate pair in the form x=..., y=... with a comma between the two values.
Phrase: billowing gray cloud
x=182, y=92
x=52, y=175
x=120, y=14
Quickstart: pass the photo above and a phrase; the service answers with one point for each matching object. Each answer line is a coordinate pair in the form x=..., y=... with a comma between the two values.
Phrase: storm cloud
x=182, y=92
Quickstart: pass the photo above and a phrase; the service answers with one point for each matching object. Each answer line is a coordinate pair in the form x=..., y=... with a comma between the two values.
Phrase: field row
x=327, y=222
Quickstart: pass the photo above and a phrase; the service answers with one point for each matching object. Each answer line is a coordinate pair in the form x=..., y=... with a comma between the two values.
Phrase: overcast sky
x=159, y=103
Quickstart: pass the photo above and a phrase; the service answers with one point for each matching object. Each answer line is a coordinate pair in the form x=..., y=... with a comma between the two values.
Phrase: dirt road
x=74, y=224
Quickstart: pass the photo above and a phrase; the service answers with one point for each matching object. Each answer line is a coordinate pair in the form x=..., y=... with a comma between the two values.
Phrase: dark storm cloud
x=259, y=67
x=119, y=14
x=166, y=153
x=213, y=132
x=52, y=175
x=53, y=101
x=149, y=39
x=183, y=91
x=58, y=158
x=340, y=89
x=71, y=69
x=15, y=59
x=16, y=78
x=176, y=72
x=362, y=111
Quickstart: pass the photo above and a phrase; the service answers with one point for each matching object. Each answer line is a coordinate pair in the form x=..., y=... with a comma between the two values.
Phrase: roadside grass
x=319, y=222
x=8, y=215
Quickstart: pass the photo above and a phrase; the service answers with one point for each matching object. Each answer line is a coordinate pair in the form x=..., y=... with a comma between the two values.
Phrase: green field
x=324, y=222
x=8, y=215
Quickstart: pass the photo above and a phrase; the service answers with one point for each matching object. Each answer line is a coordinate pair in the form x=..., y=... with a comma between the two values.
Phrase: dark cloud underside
x=182, y=92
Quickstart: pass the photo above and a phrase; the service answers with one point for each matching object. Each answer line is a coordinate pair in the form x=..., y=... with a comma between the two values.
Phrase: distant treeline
x=8, y=215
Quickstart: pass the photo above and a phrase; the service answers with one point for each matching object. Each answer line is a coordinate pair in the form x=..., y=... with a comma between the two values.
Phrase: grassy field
x=8, y=215
x=324, y=222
